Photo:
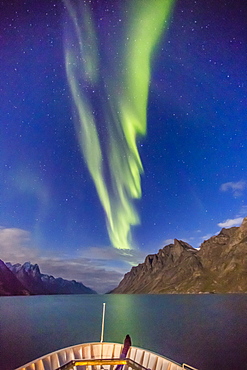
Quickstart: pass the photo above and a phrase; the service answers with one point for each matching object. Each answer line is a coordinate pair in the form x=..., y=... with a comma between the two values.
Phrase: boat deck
x=104, y=356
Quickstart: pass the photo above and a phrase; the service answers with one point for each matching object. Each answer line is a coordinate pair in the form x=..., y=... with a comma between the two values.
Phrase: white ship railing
x=102, y=351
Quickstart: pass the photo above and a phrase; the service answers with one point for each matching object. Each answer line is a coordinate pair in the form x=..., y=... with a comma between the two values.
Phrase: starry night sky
x=194, y=154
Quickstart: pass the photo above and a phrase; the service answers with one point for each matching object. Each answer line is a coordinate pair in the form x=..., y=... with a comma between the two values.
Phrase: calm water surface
x=207, y=331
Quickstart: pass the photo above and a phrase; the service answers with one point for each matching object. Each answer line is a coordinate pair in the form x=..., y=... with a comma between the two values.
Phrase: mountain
x=219, y=266
x=9, y=284
x=30, y=277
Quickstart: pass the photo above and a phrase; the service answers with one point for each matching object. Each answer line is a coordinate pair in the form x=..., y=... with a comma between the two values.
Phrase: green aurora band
x=110, y=94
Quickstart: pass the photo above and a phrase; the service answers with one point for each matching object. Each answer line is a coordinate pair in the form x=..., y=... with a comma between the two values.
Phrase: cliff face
x=220, y=266
x=32, y=281
x=225, y=260
x=9, y=284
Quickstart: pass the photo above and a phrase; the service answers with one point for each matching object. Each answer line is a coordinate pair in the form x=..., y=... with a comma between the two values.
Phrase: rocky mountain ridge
x=27, y=279
x=9, y=284
x=219, y=266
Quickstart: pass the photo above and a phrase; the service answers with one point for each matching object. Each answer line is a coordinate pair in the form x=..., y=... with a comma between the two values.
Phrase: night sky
x=194, y=177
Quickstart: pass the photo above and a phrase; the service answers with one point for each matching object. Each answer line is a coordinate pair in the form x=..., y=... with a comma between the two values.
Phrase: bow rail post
x=103, y=324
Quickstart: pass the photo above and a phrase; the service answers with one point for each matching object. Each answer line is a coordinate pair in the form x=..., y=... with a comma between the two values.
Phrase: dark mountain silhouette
x=9, y=284
x=27, y=279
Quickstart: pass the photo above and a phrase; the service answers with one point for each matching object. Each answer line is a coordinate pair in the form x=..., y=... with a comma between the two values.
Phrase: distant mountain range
x=27, y=279
x=219, y=266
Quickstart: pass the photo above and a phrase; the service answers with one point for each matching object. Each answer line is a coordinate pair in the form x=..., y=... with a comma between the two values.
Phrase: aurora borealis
x=123, y=125
x=120, y=86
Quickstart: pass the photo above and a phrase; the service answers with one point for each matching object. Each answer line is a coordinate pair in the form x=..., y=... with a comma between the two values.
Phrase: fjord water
x=206, y=331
